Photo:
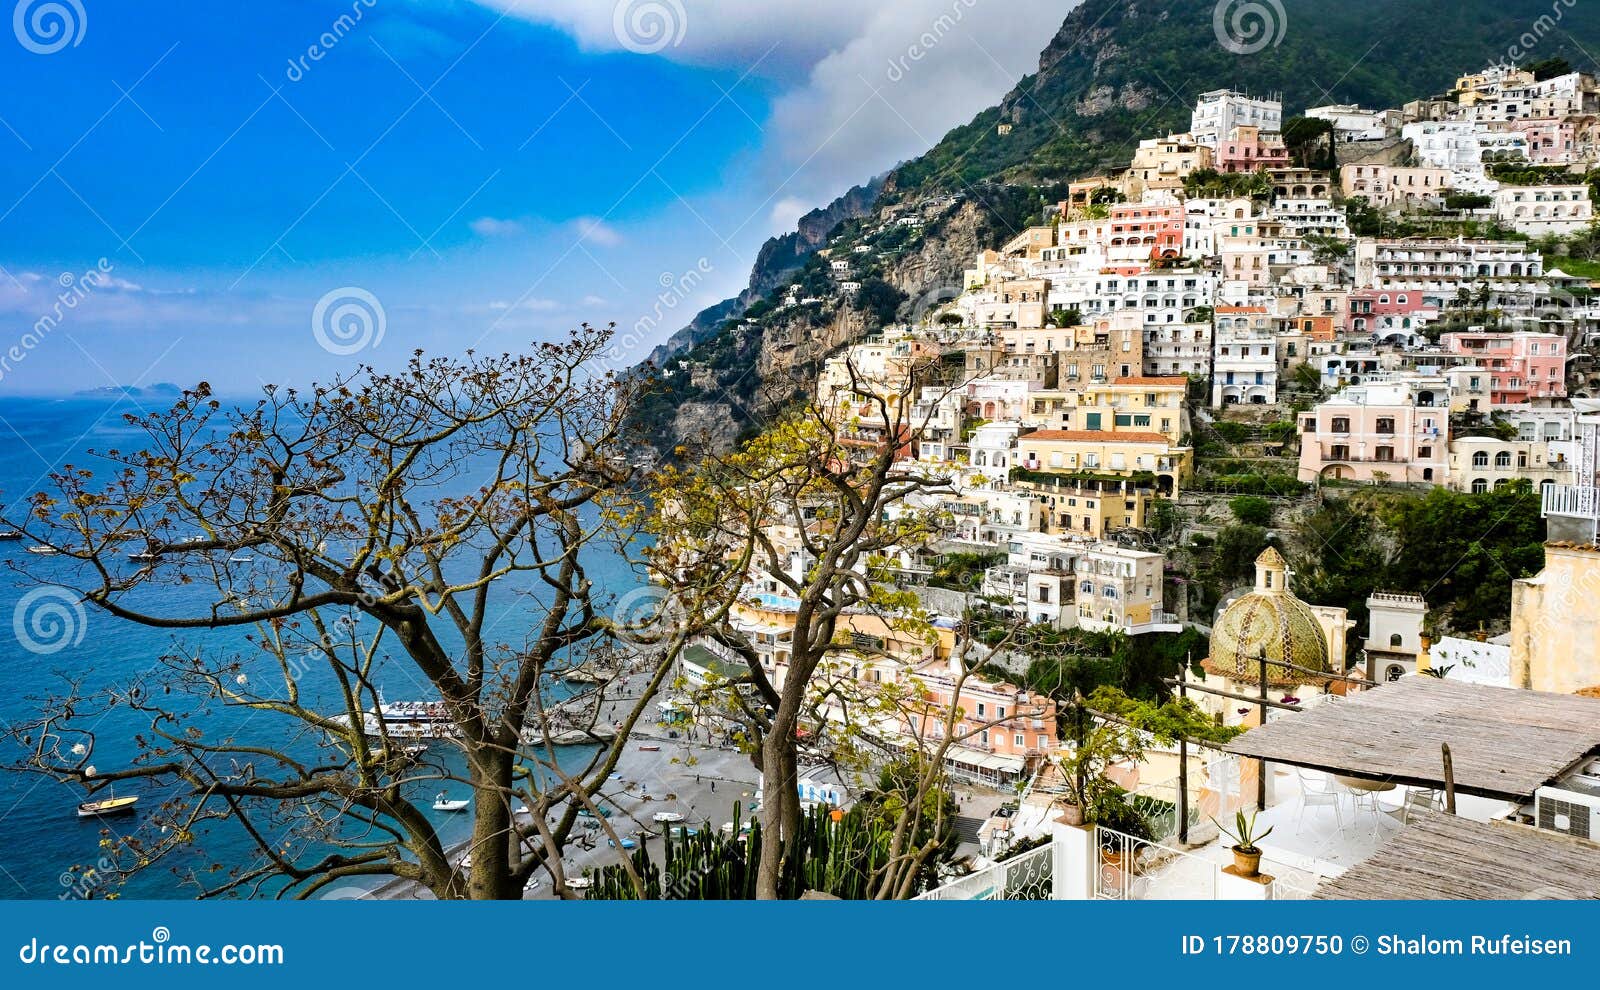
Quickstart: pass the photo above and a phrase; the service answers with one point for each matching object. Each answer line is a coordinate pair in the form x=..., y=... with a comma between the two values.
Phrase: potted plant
x=1246, y=853
x=1098, y=746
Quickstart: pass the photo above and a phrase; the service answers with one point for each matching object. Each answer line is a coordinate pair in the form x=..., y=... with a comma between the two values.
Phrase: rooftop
x=1101, y=436
x=1443, y=857
x=1505, y=743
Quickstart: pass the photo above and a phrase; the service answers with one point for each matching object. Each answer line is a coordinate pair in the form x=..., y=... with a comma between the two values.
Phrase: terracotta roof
x=1151, y=380
x=1102, y=436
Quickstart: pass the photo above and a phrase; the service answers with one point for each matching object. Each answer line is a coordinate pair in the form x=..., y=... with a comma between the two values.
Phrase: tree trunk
x=490, y=877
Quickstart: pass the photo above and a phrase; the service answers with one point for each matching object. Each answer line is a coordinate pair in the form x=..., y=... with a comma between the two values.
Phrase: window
x=1386, y=425
x=1502, y=459
x=1341, y=424
x=1480, y=459
x=1479, y=486
x=980, y=709
x=1019, y=741
x=1394, y=639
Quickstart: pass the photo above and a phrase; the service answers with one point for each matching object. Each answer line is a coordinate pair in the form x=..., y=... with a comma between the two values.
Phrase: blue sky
x=487, y=172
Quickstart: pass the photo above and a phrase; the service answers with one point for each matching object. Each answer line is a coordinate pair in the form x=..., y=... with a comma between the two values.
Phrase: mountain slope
x=1117, y=71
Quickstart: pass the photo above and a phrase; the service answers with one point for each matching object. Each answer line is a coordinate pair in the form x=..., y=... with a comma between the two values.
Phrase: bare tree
x=382, y=527
x=810, y=508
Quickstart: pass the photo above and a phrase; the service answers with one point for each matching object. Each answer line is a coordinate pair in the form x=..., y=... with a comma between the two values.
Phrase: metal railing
x=1024, y=877
x=1131, y=869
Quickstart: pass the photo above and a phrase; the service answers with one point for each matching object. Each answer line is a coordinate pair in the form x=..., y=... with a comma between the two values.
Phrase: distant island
x=129, y=391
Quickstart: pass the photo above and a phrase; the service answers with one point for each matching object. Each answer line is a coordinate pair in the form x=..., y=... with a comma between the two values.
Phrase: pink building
x=1522, y=366
x=1160, y=228
x=1551, y=140
x=1249, y=149
x=1383, y=313
x=1388, y=431
x=1003, y=732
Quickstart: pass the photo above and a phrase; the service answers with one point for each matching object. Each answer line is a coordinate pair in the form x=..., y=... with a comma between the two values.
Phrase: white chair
x=1419, y=800
x=1317, y=790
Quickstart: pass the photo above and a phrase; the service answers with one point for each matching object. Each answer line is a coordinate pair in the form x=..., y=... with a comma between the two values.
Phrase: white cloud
x=863, y=86
x=597, y=231
x=786, y=212
x=495, y=227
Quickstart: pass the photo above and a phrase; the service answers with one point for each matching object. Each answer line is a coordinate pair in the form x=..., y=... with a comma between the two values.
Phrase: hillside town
x=1276, y=310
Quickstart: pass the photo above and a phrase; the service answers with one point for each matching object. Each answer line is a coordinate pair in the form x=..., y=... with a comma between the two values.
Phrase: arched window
x=1480, y=459
x=1502, y=460
x=1479, y=486
x=1394, y=639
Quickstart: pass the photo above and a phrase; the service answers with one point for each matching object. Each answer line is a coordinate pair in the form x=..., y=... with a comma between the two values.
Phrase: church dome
x=1271, y=621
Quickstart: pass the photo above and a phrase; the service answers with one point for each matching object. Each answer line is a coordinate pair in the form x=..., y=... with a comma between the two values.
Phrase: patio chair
x=1419, y=800
x=1317, y=790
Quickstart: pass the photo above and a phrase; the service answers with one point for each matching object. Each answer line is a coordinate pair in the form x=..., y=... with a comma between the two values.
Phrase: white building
x=1539, y=210
x=1218, y=112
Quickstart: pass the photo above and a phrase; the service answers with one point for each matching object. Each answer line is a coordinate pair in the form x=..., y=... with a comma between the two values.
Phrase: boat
x=241, y=560
x=579, y=883
x=10, y=534
x=626, y=844
x=40, y=548
x=410, y=720
x=443, y=803
x=649, y=749
x=415, y=749
x=666, y=817
x=107, y=807
x=146, y=557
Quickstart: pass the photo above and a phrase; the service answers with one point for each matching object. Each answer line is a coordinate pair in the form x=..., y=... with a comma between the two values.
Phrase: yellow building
x=1122, y=405
x=1103, y=454
x=1555, y=628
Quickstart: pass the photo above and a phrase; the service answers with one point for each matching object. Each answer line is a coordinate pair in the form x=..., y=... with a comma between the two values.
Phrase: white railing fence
x=1024, y=877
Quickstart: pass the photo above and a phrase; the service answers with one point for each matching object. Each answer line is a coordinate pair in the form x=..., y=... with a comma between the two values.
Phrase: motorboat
x=41, y=549
x=10, y=534
x=144, y=557
x=107, y=807
x=241, y=560
x=444, y=803
x=666, y=817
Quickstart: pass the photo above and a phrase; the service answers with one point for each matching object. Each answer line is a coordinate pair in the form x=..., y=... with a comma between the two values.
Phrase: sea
x=47, y=640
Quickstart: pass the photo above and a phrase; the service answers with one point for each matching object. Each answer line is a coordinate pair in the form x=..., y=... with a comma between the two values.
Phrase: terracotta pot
x=1247, y=863
x=1071, y=814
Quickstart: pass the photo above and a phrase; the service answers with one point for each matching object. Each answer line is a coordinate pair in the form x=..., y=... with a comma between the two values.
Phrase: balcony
x=1582, y=501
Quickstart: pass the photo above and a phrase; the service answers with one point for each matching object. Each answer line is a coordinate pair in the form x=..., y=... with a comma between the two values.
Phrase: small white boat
x=146, y=557
x=416, y=749
x=40, y=548
x=10, y=534
x=666, y=817
x=579, y=883
x=443, y=803
x=107, y=807
x=241, y=560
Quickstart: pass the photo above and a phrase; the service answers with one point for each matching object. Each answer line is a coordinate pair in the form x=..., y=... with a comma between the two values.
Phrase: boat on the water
x=443, y=803
x=107, y=807
x=145, y=557
x=10, y=534
x=411, y=720
x=666, y=817
x=241, y=560
x=41, y=549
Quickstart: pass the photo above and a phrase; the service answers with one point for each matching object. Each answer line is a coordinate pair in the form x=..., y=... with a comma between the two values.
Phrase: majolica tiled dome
x=1270, y=620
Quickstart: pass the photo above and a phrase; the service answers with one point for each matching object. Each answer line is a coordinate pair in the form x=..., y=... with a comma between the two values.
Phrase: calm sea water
x=41, y=839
